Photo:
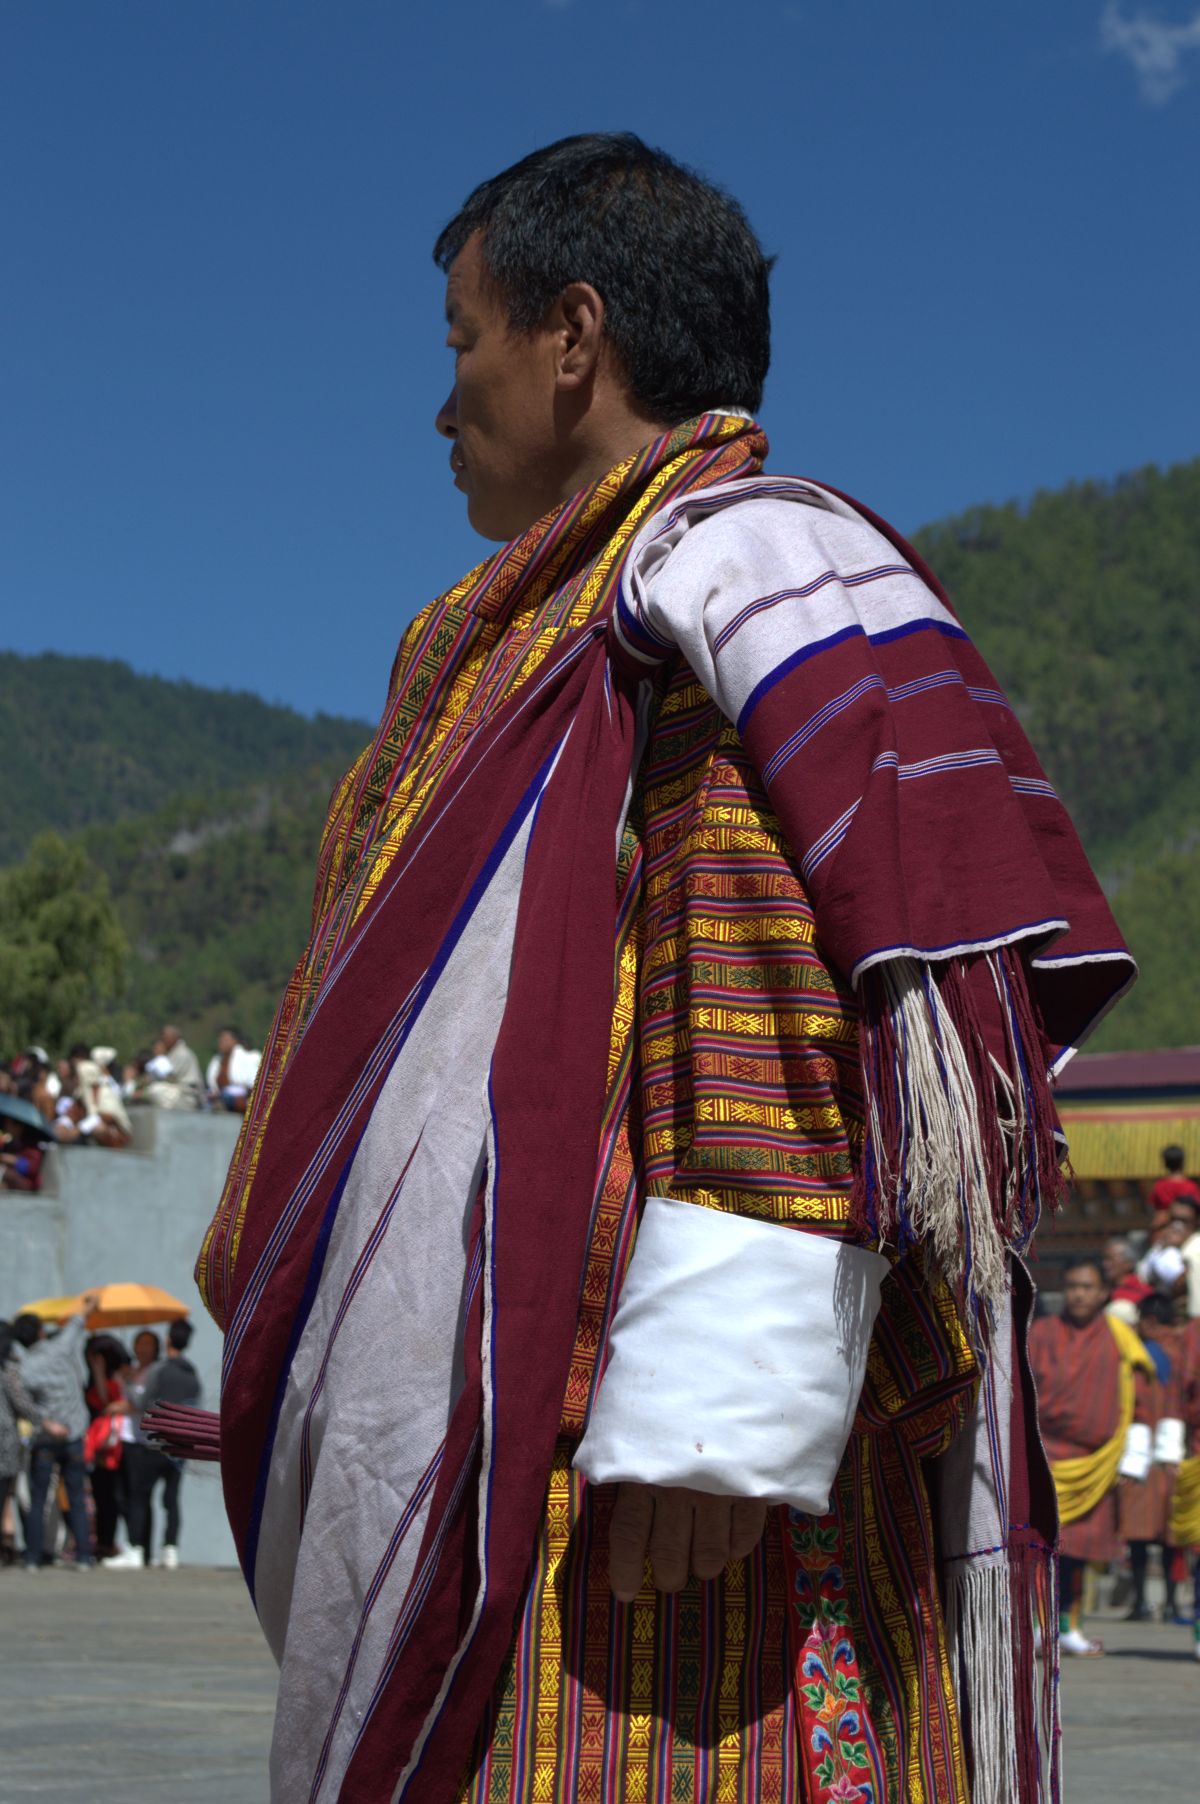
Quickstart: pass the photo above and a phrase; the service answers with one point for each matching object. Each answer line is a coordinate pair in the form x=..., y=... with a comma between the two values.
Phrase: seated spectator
x=136, y=1078
x=36, y=1082
x=231, y=1072
x=1163, y=1265
x=91, y=1109
x=1126, y=1289
x=1164, y=1190
x=174, y=1070
x=21, y=1158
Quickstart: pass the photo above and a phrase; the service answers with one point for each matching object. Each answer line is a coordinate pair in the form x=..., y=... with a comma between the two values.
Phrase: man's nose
x=447, y=415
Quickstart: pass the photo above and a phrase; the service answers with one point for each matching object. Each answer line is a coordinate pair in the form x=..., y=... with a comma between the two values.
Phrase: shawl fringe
x=1001, y=1609
x=961, y=1151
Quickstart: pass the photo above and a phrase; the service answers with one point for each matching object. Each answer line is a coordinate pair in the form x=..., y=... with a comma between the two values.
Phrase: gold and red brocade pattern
x=685, y=1698
x=733, y=1061
x=816, y=1671
x=461, y=658
x=749, y=1044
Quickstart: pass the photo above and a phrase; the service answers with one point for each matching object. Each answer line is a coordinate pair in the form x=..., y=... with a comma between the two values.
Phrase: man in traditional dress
x=1084, y=1364
x=625, y=1213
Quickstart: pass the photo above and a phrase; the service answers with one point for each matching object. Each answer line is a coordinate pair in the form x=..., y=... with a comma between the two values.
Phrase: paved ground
x=155, y=1688
x=132, y=1688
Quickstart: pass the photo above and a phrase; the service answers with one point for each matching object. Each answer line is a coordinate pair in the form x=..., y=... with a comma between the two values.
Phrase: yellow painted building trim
x=1110, y=1140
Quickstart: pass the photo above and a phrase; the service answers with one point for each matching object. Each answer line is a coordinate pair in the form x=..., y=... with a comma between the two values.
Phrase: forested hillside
x=87, y=740
x=202, y=810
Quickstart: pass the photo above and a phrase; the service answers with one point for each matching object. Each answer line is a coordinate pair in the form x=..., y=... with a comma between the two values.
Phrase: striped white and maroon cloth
x=406, y=1287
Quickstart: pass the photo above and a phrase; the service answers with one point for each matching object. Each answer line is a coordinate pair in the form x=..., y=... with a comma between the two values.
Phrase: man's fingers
x=710, y=1536
x=682, y=1532
x=745, y=1529
x=671, y=1538
x=628, y=1539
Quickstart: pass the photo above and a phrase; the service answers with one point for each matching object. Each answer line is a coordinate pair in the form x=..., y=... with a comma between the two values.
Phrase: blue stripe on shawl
x=946, y=628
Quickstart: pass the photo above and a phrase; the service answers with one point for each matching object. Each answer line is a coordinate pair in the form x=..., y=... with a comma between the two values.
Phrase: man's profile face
x=499, y=416
x=1084, y=1295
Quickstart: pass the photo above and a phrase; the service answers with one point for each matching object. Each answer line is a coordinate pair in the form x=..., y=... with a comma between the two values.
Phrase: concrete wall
x=136, y=1215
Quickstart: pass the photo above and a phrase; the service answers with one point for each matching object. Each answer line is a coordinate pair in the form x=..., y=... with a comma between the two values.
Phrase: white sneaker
x=130, y=1559
x=170, y=1559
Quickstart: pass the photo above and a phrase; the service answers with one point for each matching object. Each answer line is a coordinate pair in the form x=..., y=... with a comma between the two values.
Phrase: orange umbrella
x=52, y=1309
x=118, y=1306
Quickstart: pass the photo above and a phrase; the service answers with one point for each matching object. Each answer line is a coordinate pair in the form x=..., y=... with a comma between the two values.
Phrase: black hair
x=179, y=1334
x=113, y=1352
x=80, y=1051
x=27, y=1329
x=1173, y=1157
x=683, y=278
x=1186, y=1202
x=1079, y=1260
x=1156, y=1308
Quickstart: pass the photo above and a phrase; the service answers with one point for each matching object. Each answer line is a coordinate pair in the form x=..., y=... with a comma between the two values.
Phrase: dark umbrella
x=15, y=1108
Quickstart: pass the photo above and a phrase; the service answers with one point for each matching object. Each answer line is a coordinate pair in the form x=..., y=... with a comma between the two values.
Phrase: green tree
x=62, y=951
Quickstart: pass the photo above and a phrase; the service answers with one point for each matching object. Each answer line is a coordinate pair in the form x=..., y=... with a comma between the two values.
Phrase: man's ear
x=580, y=331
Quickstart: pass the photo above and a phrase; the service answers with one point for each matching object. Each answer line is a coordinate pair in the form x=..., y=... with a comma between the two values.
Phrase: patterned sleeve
x=880, y=790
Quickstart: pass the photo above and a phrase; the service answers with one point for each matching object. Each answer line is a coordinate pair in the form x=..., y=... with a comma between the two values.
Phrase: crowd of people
x=1118, y=1386
x=78, y=1473
x=85, y=1098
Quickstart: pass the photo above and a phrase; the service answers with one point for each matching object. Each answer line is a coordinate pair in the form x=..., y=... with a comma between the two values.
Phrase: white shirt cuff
x=737, y=1355
x=1170, y=1441
x=1139, y=1451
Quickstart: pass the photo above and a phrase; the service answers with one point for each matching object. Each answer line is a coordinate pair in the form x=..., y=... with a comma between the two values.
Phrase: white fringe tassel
x=943, y=1180
x=979, y=1629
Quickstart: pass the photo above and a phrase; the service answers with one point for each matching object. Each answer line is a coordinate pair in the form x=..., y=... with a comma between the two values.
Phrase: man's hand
x=57, y=1431
x=88, y=1301
x=682, y=1531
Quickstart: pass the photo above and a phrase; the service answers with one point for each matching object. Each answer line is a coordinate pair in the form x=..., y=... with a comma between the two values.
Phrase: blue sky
x=220, y=327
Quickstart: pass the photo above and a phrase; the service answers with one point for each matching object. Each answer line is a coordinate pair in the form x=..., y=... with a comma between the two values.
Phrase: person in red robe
x=1084, y=1410
x=1174, y=1183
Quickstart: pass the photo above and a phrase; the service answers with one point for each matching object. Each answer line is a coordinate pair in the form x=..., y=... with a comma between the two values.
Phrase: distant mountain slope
x=88, y=740
x=215, y=897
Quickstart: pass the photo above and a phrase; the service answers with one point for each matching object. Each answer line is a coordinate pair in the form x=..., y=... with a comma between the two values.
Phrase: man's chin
x=493, y=521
